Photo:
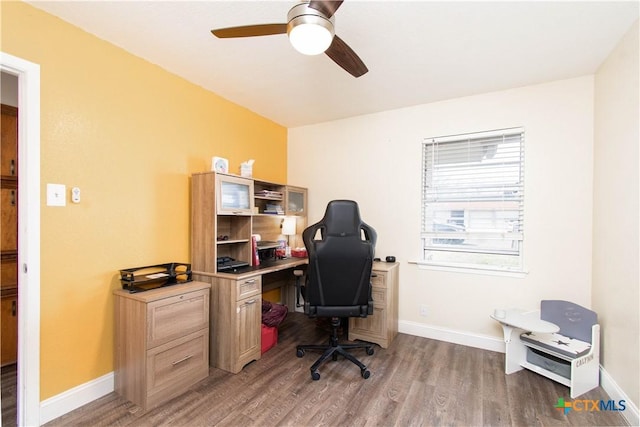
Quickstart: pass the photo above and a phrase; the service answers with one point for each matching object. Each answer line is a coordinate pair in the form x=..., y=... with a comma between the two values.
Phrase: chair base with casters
x=333, y=350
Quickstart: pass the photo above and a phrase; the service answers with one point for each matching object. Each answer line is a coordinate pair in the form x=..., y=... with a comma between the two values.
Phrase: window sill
x=470, y=270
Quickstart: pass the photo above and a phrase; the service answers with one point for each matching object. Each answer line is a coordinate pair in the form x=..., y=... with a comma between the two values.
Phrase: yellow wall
x=129, y=134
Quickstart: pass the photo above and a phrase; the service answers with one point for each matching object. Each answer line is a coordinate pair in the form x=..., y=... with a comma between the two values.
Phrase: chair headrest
x=342, y=218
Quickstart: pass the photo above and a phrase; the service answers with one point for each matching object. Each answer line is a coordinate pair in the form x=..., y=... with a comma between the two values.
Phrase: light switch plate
x=56, y=195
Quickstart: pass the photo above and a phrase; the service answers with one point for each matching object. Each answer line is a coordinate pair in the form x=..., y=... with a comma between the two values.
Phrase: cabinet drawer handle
x=14, y=308
x=250, y=281
x=13, y=167
x=253, y=301
x=184, y=359
x=13, y=197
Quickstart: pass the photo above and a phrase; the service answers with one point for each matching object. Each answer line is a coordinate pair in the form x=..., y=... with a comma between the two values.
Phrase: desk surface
x=526, y=320
x=265, y=267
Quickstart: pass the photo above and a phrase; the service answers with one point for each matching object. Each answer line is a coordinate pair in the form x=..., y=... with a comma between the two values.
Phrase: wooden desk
x=236, y=311
x=515, y=350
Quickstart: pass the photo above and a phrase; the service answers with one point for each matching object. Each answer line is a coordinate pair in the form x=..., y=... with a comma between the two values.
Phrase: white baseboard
x=485, y=342
x=616, y=393
x=67, y=401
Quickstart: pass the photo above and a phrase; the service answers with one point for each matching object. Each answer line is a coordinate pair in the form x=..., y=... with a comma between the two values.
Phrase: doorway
x=9, y=246
x=28, y=256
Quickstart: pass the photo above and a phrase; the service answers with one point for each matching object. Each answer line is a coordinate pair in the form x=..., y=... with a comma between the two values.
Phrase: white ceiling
x=416, y=51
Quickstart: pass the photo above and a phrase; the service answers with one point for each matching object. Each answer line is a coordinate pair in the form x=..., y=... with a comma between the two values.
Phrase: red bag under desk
x=269, y=337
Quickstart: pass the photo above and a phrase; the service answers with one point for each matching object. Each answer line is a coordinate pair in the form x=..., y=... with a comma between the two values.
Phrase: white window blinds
x=473, y=198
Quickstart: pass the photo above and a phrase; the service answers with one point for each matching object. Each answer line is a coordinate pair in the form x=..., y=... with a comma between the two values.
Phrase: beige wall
x=129, y=134
x=616, y=280
x=581, y=200
x=376, y=160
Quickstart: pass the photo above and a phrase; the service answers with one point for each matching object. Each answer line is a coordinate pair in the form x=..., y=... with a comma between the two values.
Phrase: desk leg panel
x=515, y=352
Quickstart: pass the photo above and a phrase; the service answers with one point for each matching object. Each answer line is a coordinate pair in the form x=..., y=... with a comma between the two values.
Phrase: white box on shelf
x=246, y=169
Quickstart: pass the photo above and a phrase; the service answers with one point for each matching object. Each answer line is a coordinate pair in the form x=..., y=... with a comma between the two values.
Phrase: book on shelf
x=269, y=194
x=273, y=209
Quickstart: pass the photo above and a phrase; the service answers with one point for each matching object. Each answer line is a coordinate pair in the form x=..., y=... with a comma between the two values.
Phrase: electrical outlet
x=424, y=311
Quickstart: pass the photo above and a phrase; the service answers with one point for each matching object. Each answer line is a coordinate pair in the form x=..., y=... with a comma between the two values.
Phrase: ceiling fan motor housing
x=301, y=18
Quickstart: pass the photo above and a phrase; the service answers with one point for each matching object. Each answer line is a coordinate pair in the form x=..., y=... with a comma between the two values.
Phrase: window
x=472, y=200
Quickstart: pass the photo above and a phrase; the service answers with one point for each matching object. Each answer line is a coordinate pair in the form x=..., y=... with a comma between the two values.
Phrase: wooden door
x=248, y=331
x=9, y=234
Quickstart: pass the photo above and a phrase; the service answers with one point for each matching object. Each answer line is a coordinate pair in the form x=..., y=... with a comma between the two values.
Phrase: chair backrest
x=340, y=262
x=573, y=320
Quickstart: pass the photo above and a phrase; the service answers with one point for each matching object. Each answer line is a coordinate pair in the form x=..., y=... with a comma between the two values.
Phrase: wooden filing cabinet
x=235, y=334
x=162, y=342
x=382, y=326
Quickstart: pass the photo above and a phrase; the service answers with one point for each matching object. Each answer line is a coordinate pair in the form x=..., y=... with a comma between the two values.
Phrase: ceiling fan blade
x=250, y=31
x=345, y=57
x=327, y=7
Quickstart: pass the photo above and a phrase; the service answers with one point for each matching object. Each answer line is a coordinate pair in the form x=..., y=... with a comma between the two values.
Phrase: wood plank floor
x=9, y=395
x=415, y=382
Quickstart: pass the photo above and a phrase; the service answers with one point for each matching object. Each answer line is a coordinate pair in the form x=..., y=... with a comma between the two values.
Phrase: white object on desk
x=526, y=320
x=499, y=313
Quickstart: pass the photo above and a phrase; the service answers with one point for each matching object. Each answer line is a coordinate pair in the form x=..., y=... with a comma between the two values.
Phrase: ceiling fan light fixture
x=310, y=39
x=310, y=28
x=310, y=32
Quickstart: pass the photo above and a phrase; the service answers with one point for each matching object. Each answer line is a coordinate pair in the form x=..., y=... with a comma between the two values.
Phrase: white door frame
x=28, y=391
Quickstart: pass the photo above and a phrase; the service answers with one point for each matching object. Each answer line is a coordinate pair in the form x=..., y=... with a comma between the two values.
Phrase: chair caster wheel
x=315, y=375
x=299, y=352
x=369, y=351
x=365, y=373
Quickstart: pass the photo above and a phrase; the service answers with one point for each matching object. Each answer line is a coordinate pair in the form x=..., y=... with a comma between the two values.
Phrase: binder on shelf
x=254, y=250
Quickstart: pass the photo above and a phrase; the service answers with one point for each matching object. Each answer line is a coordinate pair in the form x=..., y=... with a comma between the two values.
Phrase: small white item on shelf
x=219, y=164
x=246, y=168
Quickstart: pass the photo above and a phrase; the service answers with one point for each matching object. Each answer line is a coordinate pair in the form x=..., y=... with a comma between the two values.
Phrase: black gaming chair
x=339, y=277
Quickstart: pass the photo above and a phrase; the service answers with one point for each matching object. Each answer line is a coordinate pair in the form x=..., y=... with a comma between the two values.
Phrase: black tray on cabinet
x=141, y=279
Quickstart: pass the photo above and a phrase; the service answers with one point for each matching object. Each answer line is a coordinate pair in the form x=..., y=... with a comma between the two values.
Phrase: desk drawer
x=371, y=327
x=379, y=297
x=379, y=280
x=176, y=365
x=176, y=316
x=249, y=287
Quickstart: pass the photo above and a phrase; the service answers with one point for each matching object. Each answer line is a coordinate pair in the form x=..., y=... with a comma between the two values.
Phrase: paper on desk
x=157, y=275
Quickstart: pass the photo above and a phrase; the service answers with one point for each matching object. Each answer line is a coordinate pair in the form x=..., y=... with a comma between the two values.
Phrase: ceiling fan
x=310, y=27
